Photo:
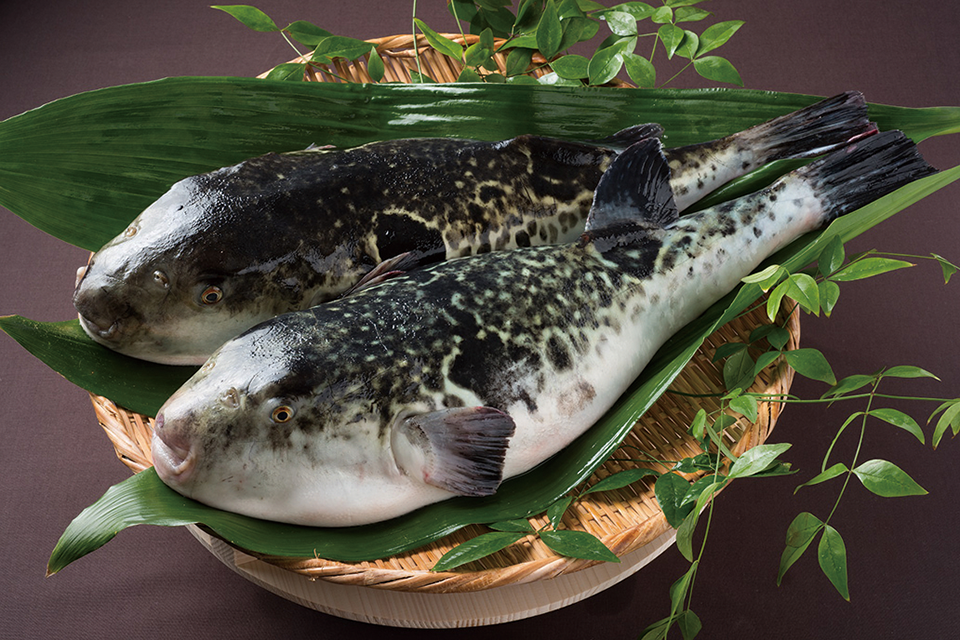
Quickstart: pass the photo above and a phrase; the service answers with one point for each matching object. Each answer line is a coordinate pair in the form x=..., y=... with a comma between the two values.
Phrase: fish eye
x=281, y=414
x=161, y=279
x=211, y=295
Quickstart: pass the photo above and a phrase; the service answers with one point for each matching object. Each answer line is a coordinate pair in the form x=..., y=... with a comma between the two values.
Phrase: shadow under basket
x=527, y=578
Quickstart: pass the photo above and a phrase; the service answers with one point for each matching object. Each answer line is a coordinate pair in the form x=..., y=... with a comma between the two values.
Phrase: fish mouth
x=109, y=335
x=172, y=457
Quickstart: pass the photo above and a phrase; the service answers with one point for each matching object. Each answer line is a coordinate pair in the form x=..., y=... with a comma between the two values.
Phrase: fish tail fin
x=811, y=131
x=864, y=171
x=460, y=450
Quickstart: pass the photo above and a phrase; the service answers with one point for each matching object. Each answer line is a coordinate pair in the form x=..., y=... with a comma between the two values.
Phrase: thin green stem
x=856, y=455
x=674, y=77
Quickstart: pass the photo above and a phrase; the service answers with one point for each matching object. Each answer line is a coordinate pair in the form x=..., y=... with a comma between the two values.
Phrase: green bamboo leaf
x=549, y=31
x=688, y=48
x=556, y=510
x=590, y=5
x=518, y=61
x=670, y=490
x=480, y=547
x=577, y=30
x=728, y=349
x=765, y=360
x=746, y=406
x=514, y=526
x=829, y=292
x=717, y=69
x=138, y=158
x=946, y=266
x=684, y=539
x=689, y=624
x=639, y=10
x=289, y=71
x=571, y=66
x=441, y=43
x=528, y=14
x=887, y=479
x=134, y=384
x=570, y=9
x=869, y=267
x=621, y=479
x=578, y=544
x=621, y=23
x=605, y=65
x=832, y=555
x=662, y=15
x=716, y=35
x=738, y=370
x=679, y=589
x=476, y=54
x=341, y=47
x=811, y=364
x=469, y=75
x=708, y=487
x=416, y=77
x=690, y=14
x=832, y=257
x=775, y=299
x=848, y=384
x=803, y=288
x=776, y=335
x=250, y=16
x=800, y=534
x=375, y=65
x=766, y=278
x=700, y=462
x=898, y=419
x=907, y=371
x=950, y=418
x=307, y=33
x=831, y=473
x=672, y=37
x=756, y=460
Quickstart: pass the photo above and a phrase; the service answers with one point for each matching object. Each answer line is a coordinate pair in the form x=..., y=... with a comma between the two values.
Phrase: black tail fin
x=813, y=130
x=865, y=171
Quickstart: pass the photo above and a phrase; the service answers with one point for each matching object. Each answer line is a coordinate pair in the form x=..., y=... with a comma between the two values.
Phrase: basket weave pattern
x=625, y=519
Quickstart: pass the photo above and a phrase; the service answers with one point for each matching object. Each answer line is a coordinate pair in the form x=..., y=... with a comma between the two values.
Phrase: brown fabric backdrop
x=153, y=582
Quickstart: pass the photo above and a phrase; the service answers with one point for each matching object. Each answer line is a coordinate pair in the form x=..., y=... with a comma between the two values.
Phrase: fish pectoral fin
x=636, y=188
x=387, y=269
x=460, y=450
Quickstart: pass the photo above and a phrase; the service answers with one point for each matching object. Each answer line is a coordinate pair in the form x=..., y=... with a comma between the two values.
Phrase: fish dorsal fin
x=636, y=188
x=631, y=135
x=459, y=450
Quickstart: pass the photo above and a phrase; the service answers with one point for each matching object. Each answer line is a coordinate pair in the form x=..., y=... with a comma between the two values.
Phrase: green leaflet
x=140, y=138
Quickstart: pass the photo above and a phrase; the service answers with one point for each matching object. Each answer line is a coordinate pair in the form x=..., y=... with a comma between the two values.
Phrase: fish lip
x=108, y=336
x=172, y=461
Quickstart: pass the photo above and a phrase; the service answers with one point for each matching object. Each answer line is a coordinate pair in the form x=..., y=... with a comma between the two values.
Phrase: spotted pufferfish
x=445, y=380
x=222, y=251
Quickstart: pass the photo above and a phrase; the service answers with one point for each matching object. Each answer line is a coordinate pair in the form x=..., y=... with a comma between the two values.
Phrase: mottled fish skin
x=549, y=336
x=223, y=251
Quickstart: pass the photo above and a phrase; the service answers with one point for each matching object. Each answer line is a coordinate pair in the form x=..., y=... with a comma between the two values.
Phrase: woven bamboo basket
x=626, y=520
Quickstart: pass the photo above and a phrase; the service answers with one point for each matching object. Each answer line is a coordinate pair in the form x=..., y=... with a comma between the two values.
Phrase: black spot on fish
x=488, y=193
x=757, y=232
x=522, y=238
x=557, y=354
